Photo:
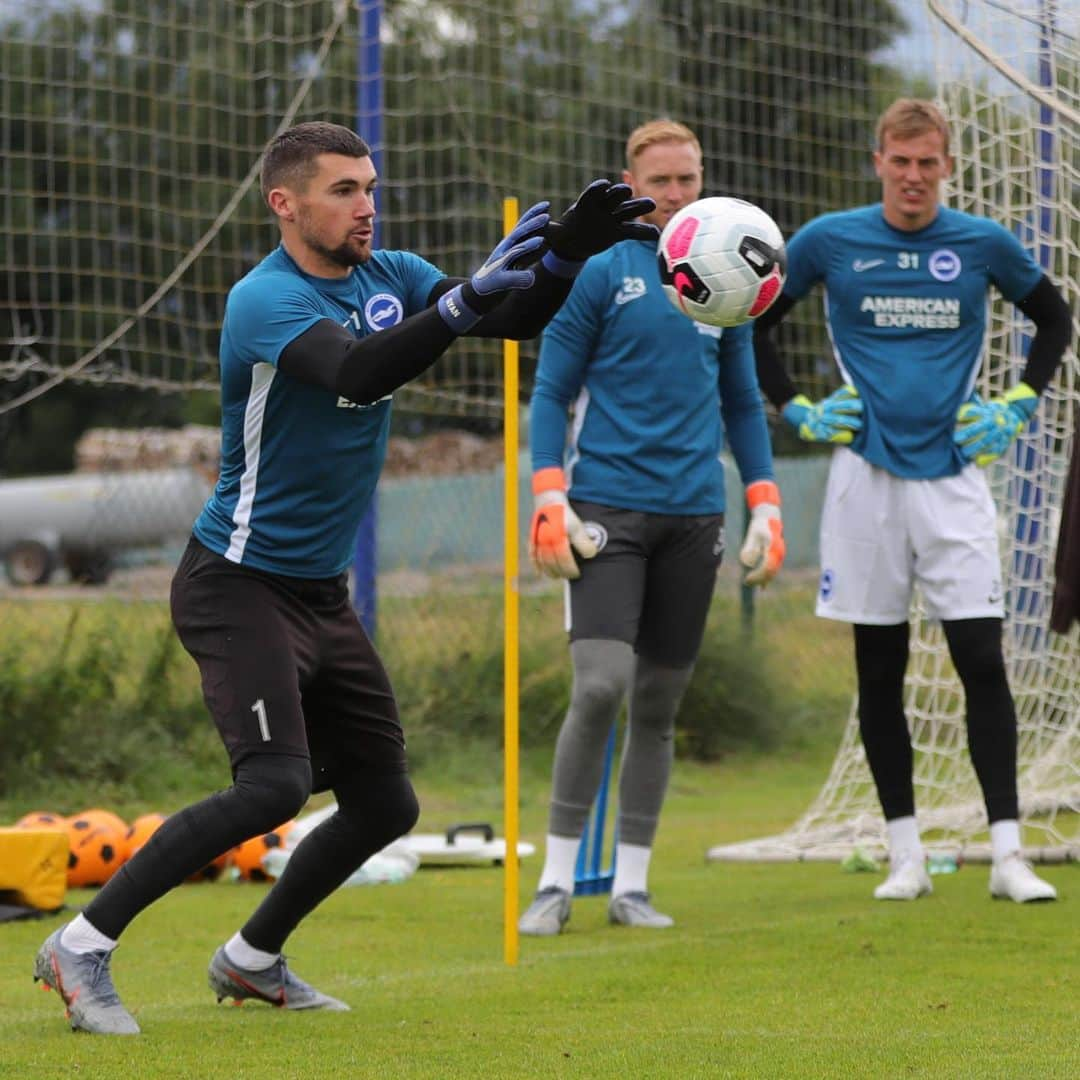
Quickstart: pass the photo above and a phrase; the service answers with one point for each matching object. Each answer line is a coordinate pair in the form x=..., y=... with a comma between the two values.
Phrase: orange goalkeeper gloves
x=556, y=532
x=763, y=549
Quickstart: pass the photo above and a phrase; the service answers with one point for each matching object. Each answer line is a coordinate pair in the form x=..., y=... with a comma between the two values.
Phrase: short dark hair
x=290, y=158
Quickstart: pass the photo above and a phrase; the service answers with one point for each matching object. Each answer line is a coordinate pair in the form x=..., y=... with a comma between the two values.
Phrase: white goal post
x=1009, y=79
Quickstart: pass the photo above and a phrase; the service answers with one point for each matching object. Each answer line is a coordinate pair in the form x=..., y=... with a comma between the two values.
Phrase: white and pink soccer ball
x=722, y=261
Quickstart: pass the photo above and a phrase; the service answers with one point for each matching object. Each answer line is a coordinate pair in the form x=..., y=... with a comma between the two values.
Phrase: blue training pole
x=369, y=125
x=1032, y=449
x=589, y=879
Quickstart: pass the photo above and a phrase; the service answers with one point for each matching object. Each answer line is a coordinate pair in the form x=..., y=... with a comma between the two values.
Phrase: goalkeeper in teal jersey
x=315, y=340
x=629, y=509
x=906, y=283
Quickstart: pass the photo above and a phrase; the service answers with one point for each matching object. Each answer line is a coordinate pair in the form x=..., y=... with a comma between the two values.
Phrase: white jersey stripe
x=581, y=407
x=262, y=377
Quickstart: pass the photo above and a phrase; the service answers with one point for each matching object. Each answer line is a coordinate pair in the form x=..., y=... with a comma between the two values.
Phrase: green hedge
x=98, y=701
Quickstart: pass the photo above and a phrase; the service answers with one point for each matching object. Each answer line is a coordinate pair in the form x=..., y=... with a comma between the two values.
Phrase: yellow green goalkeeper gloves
x=835, y=419
x=986, y=429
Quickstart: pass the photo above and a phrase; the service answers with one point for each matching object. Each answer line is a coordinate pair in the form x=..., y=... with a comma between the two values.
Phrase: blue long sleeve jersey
x=906, y=313
x=299, y=463
x=652, y=392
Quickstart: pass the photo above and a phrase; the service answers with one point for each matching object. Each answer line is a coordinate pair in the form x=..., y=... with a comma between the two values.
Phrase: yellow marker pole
x=510, y=630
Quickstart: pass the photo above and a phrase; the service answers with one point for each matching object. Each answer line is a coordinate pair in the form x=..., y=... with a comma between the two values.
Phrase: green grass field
x=770, y=971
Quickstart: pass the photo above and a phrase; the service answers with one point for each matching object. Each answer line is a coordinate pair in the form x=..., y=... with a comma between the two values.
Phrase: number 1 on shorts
x=259, y=708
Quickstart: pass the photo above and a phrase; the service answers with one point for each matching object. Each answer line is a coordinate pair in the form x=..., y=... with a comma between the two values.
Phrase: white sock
x=559, y=861
x=903, y=836
x=631, y=869
x=81, y=936
x=243, y=955
x=1004, y=838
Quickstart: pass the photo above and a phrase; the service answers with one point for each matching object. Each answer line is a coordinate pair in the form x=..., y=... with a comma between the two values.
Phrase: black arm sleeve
x=522, y=313
x=1047, y=309
x=774, y=380
x=368, y=368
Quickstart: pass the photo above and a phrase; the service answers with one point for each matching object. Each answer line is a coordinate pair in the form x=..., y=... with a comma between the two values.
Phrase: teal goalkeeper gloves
x=835, y=419
x=986, y=429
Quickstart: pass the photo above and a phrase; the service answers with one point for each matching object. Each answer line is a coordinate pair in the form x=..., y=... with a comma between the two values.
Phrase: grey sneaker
x=276, y=984
x=547, y=914
x=634, y=909
x=84, y=982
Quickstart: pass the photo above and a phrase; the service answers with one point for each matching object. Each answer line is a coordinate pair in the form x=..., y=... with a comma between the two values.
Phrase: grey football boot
x=547, y=914
x=635, y=909
x=275, y=984
x=84, y=982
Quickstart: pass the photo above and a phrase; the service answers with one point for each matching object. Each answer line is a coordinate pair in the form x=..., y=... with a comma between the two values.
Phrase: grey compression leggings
x=606, y=672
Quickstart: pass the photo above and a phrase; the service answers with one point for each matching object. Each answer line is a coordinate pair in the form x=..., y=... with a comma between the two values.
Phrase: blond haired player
x=907, y=503
x=629, y=498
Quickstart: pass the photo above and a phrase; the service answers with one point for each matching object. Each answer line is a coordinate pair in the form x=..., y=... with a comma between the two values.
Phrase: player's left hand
x=986, y=429
x=602, y=215
x=763, y=550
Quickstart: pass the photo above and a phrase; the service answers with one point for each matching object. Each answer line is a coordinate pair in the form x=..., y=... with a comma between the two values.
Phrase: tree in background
x=127, y=128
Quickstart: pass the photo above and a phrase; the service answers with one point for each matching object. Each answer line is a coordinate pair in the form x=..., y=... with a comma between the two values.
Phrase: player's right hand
x=463, y=306
x=555, y=531
x=835, y=419
x=602, y=215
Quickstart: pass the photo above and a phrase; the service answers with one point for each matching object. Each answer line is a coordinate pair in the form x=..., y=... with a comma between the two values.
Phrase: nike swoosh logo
x=625, y=298
x=859, y=265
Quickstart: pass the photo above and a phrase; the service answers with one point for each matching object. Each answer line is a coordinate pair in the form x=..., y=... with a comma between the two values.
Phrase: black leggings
x=881, y=656
x=268, y=789
x=373, y=811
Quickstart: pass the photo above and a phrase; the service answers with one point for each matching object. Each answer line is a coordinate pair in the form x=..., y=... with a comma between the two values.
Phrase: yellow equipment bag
x=33, y=867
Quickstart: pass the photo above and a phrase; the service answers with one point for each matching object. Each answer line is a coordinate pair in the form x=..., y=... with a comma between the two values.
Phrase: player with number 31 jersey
x=907, y=314
x=906, y=285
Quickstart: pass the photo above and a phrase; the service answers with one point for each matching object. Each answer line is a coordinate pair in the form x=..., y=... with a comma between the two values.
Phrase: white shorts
x=881, y=535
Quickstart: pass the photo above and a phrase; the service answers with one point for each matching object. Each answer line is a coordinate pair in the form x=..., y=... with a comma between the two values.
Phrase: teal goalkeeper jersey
x=653, y=394
x=907, y=316
x=299, y=463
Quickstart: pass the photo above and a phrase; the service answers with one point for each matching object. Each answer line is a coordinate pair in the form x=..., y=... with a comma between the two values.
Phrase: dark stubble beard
x=344, y=255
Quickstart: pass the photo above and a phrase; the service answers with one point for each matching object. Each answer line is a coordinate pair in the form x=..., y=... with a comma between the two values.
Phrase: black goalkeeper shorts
x=286, y=667
x=651, y=582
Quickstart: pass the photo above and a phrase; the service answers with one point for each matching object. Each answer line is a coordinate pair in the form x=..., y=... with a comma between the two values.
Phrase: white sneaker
x=907, y=880
x=1012, y=878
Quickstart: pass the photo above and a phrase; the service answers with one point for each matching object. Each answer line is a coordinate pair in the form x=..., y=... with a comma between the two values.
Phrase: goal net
x=131, y=135
x=1009, y=78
